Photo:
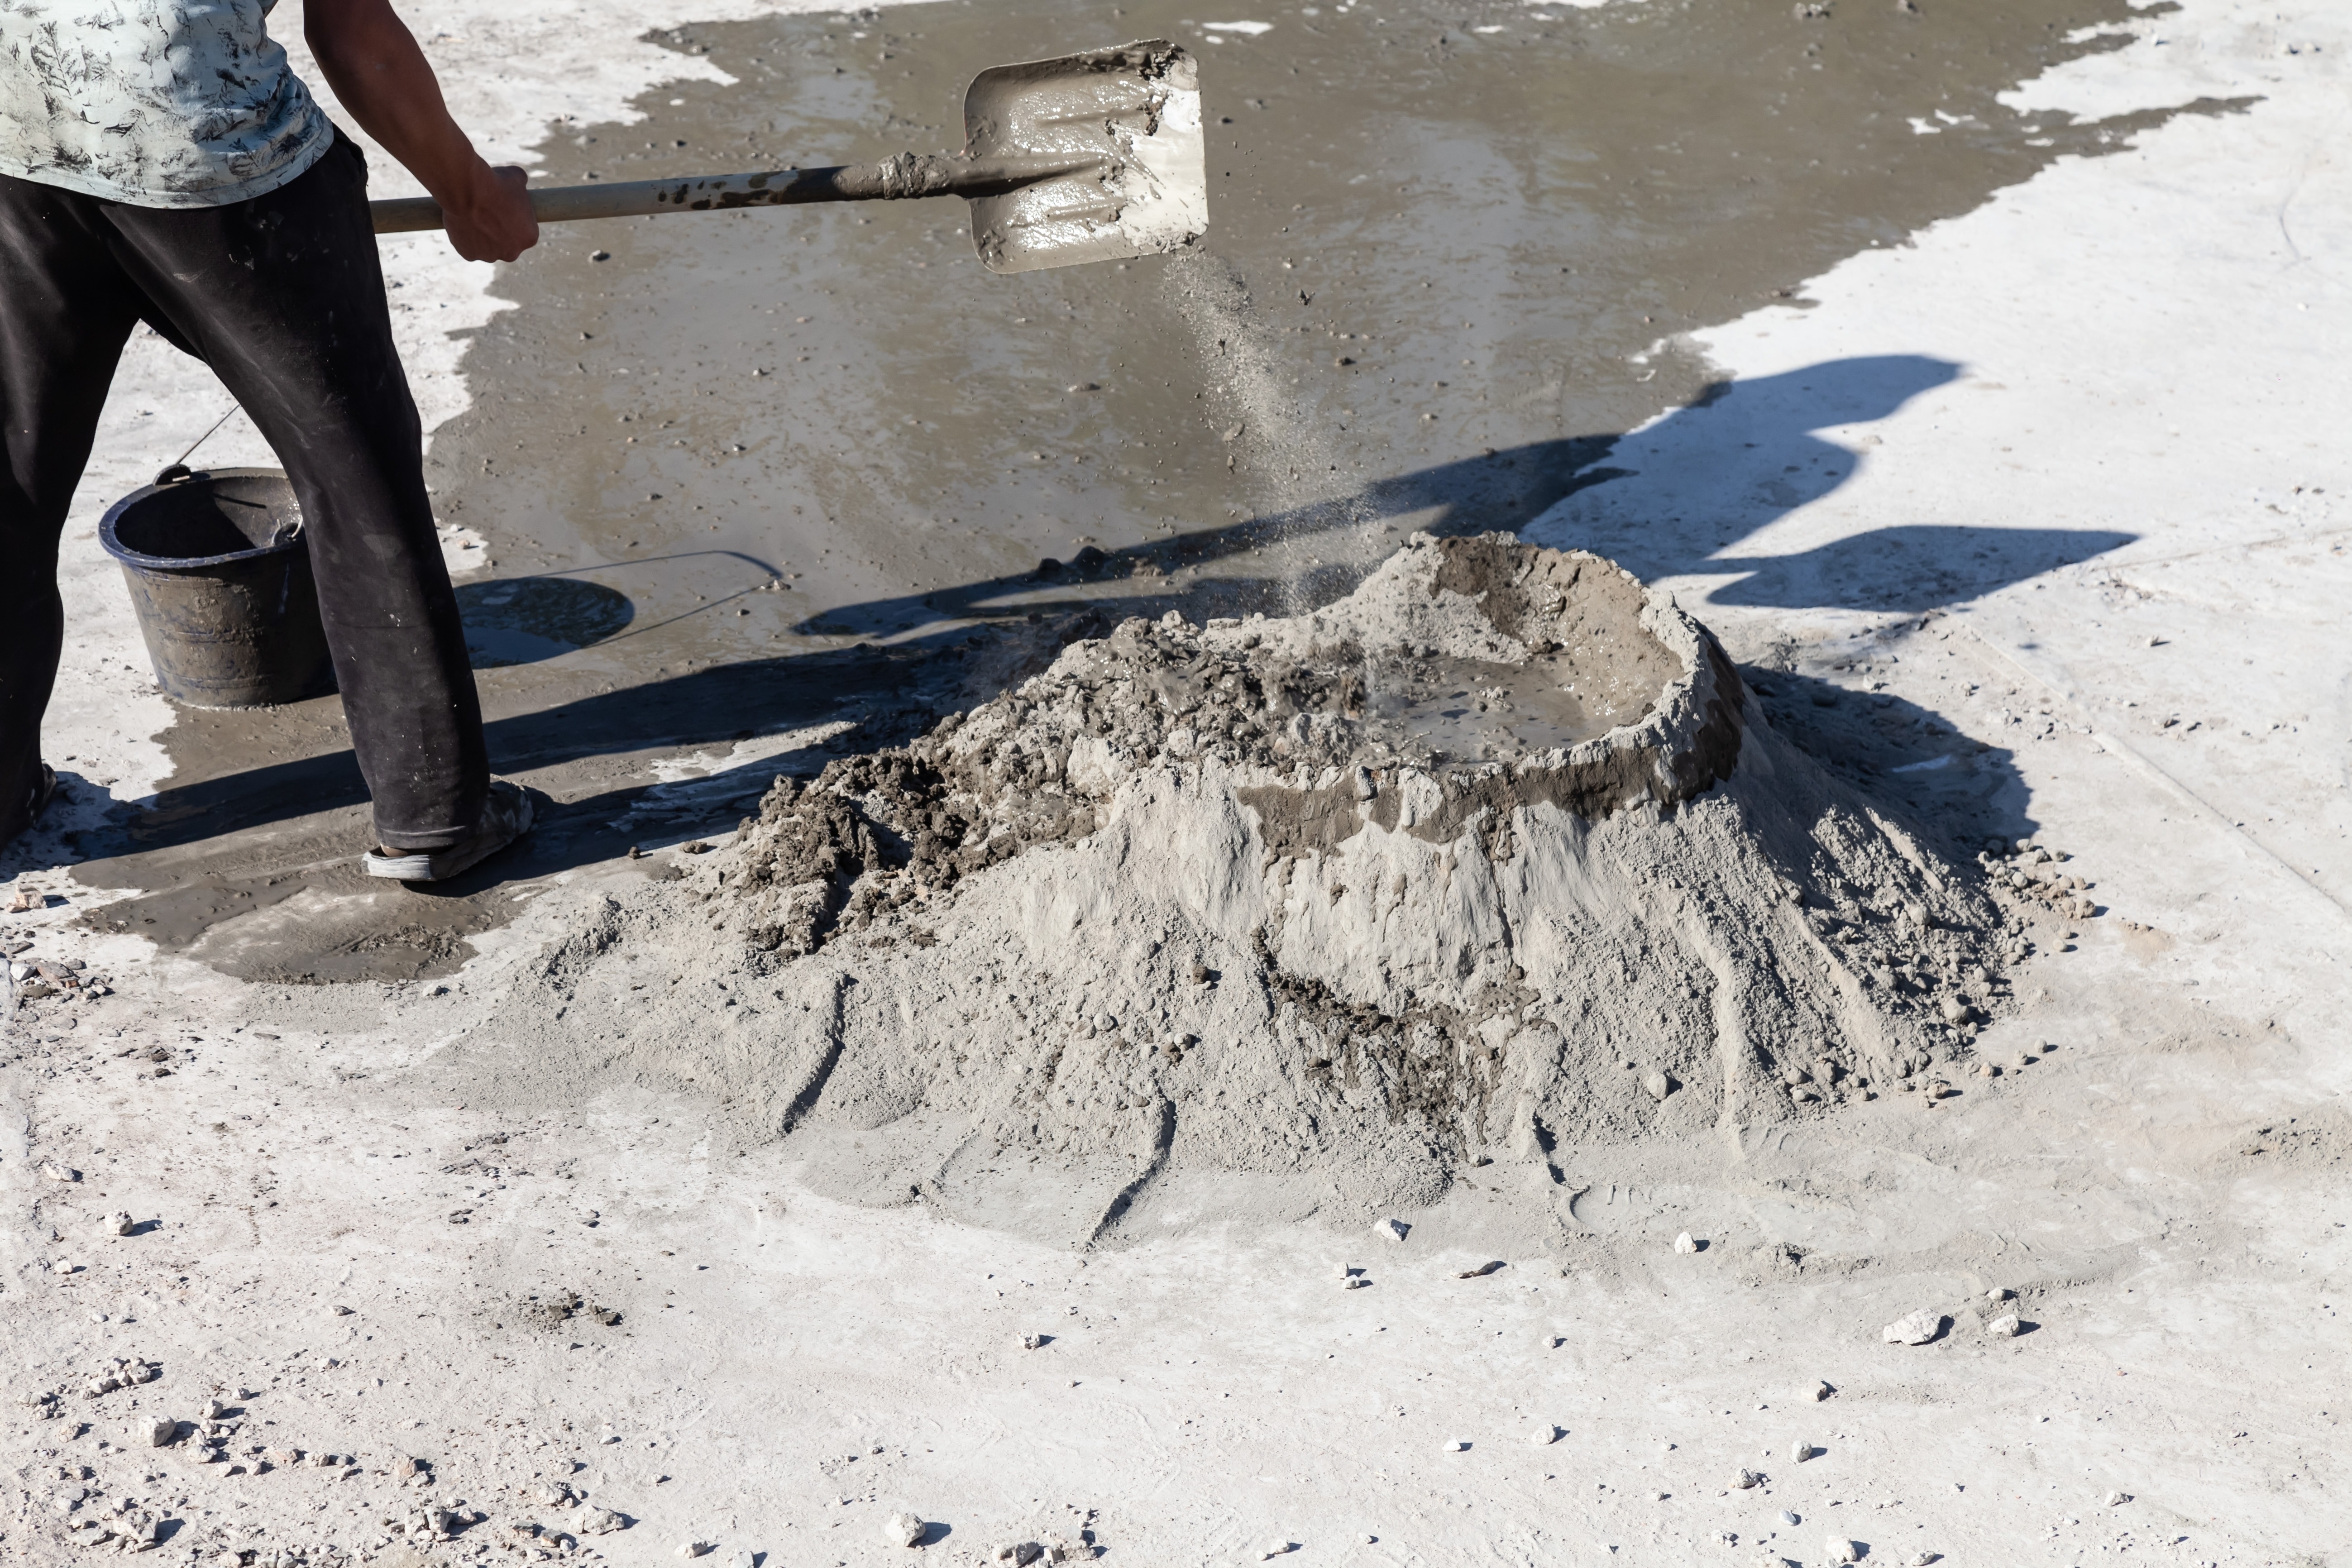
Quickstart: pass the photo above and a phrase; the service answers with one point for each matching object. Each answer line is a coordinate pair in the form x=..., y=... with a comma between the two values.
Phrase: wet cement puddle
x=746, y=476
x=1468, y=710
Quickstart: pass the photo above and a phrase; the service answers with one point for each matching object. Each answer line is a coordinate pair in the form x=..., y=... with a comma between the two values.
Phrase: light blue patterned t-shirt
x=155, y=104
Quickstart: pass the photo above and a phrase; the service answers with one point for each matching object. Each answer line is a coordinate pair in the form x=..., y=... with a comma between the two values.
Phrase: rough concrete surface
x=1969, y=377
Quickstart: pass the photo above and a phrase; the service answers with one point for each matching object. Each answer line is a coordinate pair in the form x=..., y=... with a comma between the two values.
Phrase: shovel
x=1090, y=157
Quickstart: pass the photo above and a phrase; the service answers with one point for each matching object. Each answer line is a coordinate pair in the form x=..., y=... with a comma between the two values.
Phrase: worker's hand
x=492, y=220
x=372, y=62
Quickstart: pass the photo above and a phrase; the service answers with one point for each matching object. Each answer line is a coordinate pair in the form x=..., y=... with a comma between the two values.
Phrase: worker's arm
x=372, y=62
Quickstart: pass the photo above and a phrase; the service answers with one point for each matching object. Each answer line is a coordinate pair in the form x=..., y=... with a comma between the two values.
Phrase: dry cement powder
x=1493, y=859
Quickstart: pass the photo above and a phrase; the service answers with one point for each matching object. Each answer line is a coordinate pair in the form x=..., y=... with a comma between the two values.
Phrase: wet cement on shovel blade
x=750, y=481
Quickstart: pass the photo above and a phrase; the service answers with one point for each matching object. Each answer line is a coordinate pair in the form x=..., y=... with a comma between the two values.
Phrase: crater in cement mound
x=1494, y=860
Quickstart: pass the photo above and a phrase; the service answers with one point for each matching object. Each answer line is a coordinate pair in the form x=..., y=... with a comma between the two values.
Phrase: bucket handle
x=180, y=473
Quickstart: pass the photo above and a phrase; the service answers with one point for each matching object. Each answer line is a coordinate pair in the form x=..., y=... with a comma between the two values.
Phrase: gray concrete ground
x=1978, y=382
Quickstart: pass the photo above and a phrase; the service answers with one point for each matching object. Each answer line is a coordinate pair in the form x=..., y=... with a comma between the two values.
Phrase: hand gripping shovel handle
x=895, y=178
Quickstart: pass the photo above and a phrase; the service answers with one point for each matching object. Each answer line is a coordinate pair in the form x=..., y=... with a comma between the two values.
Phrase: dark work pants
x=283, y=296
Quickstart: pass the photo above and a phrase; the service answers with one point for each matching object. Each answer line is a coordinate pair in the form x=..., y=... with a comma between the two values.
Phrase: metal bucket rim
x=115, y=547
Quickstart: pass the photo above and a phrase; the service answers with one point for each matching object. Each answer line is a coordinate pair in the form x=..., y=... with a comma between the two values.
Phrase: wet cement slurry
x=752, y=479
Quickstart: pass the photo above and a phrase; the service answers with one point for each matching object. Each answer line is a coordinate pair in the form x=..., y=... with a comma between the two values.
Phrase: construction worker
x=161, y=162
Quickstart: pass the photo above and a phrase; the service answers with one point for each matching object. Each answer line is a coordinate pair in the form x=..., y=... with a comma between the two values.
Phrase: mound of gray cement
x=1493, y=859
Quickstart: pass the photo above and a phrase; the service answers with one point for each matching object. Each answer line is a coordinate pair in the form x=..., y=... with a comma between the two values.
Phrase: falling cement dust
x=1275, y=444
x=1233, y=899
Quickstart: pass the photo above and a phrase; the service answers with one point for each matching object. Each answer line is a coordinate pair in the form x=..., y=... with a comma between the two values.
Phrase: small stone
x=1801, y=1450
x=694, y=1549
x=2117, y=1500
x=323, y=1461
x=1839, y=1550
x=1483, y=1270
x=1019, y=1554
x=1457, y=1444
x=160, y=1431
x=341, y=1311
x=601, y=1522
x=118, y=1224
x=1955, y=1011
x=1914, y=1327
x=1392, y=1229
x=408, y=1470
x=1354, y=1282
x=1106, y=1022
x=1543, y=1436
x=902, y=1529
x=2006, y=1326
x=1746, y=1481
x=281, y=1457
x=1921, y=1558
x=56, y=1172
x=1684, y=1243
x=1659, y=1085
x=1274, y=1549
x=1821, y=1391
x=1998, y=1293
x=1032, y=1342
x=215, y=1408
x=1789, y=1516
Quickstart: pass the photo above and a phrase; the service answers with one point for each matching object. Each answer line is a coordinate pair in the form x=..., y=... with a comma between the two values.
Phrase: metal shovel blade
x=1136, y=109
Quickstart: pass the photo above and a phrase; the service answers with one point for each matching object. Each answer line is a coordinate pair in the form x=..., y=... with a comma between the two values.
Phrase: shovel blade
x=1135, y=108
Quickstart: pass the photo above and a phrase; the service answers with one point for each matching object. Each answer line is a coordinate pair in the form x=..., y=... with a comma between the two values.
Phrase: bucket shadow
x=524, y=620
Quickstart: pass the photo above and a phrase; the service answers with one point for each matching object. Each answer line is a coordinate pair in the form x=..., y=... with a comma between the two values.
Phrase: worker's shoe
x=505, y=817
x=37, y=800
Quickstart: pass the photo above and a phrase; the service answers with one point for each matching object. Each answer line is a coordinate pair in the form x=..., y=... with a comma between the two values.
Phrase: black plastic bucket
x=221, y=578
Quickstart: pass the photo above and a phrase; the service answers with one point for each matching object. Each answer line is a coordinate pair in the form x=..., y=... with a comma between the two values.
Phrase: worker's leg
x=65, y=313
x=284, y=297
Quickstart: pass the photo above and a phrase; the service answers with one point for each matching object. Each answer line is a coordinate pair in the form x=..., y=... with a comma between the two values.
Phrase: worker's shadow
x=1675, y=499
x=1680, y=497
